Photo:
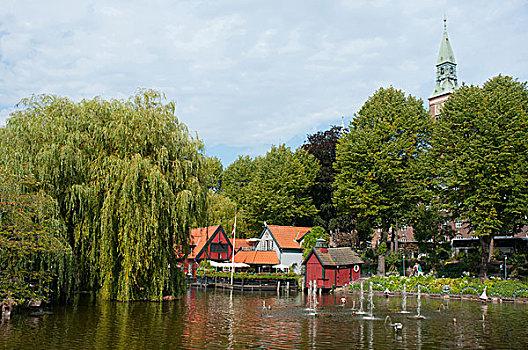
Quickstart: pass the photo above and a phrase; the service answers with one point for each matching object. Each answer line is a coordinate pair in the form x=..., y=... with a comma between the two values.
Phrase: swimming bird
x=397, y=325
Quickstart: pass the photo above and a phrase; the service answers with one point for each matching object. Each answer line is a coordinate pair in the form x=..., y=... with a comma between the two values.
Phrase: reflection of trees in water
x=221, y=320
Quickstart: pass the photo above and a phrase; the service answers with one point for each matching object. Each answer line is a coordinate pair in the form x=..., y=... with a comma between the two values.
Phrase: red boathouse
x=331, y=267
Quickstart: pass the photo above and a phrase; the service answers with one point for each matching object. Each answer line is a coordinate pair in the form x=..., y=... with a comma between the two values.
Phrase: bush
x=466, y=286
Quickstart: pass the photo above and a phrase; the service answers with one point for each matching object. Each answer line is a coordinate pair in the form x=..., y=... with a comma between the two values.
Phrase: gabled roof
x=336, y=256
x=288, y=236
x=200, y=236
x=241, y=243
x=257, y=257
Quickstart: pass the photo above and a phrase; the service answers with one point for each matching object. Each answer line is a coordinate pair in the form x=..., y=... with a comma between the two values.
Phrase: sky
x=246, y=75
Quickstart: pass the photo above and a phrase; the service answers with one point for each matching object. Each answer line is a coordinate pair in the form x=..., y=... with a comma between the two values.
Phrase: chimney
x=321, y=244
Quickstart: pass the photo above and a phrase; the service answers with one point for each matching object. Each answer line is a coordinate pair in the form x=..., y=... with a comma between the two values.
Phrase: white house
x=286, y=241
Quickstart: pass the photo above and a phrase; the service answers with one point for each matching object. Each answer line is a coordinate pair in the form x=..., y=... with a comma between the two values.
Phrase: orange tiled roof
x=241, y=243
x=257, y=257
x=199, y=236
x=288, y=236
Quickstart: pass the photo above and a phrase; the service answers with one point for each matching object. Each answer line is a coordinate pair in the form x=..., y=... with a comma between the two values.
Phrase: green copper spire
x=446, y=52
x=446, y=77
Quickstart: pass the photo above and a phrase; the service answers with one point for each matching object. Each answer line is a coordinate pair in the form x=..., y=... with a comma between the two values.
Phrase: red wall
x=218, y=237
x=356, y=275
x=332, y=275
x=314, y=271
x=343, y=276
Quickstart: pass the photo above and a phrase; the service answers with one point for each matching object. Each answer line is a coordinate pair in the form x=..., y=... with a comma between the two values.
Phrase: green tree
x=212, y=173
x=128, y=179
x=236, y=177
x=274, y=188
x=222, y=211
x=322, y=145
x=432, y=231
x=311, y=237
x=481, y=150
x=348, y=231
x=36, y=261
x=387, y=137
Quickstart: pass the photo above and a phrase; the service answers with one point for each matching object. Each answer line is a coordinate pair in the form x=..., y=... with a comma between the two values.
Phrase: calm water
x=220, y=320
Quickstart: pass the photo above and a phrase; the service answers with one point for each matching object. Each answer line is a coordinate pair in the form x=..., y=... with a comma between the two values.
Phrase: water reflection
x=216, y=319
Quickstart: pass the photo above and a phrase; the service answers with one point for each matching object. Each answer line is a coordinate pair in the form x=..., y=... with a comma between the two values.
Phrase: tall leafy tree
x=322, y=145
x=481, y=150
x=236, y=177
x=274, y=188
x=127, y=177
x=375, y=158
x=235, y=180
x=36, y=261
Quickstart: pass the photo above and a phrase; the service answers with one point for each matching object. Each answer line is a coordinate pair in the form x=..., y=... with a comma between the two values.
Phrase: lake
x=221, y=319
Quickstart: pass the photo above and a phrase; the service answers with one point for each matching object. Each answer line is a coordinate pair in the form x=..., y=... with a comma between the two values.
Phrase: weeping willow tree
x=128, y=179
x=36, y=261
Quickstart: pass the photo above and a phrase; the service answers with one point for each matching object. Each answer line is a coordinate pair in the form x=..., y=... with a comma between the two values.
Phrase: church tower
x=446, y=77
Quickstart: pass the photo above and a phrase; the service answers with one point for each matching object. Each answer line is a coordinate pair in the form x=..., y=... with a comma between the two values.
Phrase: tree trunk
x=381, y=265
x=485, y=245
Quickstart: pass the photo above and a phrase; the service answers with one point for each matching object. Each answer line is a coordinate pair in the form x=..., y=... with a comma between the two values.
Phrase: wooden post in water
x=278, y=286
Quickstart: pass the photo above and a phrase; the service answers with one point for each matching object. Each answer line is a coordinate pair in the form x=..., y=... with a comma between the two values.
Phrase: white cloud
x=248, y=74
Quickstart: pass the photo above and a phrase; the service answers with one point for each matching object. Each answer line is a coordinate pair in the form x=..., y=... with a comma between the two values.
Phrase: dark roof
x=338, y=256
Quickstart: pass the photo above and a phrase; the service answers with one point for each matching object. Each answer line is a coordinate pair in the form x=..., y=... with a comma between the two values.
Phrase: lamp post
x=403, y=262
x=505, y=258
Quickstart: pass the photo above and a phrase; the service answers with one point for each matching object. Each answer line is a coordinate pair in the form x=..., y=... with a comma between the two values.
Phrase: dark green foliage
x=274, y=188
x=36, y=261
x=481, y=151
x=129, y=181
x=432, y=232
x=376, y=158
x=322, y=145
x=349, y=231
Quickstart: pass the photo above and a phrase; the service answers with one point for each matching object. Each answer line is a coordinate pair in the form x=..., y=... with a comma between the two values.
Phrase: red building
x=331, y=267
x=209, y=243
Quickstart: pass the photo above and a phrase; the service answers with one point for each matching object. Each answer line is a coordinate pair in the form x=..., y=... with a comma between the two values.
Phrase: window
x=219, y=248
x=458, y=224
x=404, y=228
